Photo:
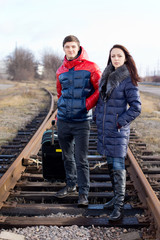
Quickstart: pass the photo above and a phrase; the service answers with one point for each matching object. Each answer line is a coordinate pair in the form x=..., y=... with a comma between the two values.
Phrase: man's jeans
x=73, y=139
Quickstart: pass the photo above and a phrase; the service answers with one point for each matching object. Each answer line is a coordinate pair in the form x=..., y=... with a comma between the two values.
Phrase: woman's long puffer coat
x=122, y=107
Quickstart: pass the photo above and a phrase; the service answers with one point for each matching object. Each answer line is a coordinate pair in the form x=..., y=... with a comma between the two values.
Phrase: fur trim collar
x=111, y=79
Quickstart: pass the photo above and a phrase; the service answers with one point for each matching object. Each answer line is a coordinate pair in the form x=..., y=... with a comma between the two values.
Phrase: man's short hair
x=71, y=38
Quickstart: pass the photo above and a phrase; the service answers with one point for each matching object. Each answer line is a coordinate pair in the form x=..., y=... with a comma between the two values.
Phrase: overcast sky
x=99, y=24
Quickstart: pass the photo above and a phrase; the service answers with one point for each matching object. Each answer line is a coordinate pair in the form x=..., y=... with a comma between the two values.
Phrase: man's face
x=71, y=50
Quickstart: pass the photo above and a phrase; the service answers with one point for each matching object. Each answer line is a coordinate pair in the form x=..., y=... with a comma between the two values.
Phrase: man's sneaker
x=83, y=201
x=65, y=191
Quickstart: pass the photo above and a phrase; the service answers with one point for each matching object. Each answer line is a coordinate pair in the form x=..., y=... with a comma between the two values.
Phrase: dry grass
x=19, y=104
x=150, y=103
x=147, y=125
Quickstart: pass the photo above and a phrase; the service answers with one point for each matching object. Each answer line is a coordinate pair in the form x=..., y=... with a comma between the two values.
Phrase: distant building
x=40, y=69
x=3, y=70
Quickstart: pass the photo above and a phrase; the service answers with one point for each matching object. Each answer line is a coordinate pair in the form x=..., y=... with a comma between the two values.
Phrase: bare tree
x=51, y=62
x=20, y=64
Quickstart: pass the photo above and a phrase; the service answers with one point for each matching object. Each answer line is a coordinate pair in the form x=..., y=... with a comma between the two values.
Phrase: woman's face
x=117, y=57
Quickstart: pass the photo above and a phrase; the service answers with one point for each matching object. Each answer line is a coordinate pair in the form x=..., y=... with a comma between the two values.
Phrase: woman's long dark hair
x=129, y=63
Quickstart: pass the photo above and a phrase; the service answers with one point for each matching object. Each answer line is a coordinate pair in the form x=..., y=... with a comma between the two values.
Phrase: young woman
x=119, y=104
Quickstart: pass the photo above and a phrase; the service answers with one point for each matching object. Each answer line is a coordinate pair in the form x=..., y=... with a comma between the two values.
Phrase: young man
x=77, y=91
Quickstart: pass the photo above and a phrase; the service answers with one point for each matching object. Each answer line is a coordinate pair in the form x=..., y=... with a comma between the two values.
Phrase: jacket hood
x=82, y=57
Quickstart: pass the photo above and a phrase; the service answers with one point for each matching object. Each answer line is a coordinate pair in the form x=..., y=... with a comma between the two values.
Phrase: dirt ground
x=147, y=125
x=20, y=102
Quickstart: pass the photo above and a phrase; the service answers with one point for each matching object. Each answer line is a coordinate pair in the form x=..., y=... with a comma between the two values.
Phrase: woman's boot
x=110, y=204
x=119, y=177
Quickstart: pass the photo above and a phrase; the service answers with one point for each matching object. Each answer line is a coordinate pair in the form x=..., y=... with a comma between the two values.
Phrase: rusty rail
x=145, y=193
x=10, y=178
x=144, y=190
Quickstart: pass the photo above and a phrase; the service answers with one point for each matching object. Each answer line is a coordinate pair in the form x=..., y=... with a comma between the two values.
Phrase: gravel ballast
x=75, y=233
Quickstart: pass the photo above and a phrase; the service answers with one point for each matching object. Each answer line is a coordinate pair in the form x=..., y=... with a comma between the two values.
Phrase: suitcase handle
x=53, y=123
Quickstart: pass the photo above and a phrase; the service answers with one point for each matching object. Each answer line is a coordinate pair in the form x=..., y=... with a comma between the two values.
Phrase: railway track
x=9, y=152
x=27, y=199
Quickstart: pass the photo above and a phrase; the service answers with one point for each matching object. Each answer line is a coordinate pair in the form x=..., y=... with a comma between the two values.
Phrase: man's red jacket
x=77, y=88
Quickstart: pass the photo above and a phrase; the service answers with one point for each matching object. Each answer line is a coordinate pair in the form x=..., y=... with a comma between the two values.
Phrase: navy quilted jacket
x=77, y=88
x=122, y=106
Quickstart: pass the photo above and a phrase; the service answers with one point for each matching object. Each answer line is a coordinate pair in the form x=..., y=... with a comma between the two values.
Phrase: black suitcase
x=52, y=162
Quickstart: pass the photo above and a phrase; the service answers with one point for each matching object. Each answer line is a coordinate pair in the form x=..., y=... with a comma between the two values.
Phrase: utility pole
x=158, y=68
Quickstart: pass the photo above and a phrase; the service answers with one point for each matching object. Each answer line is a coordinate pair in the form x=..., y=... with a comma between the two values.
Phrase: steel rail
x=12, y=175
x=145, y=191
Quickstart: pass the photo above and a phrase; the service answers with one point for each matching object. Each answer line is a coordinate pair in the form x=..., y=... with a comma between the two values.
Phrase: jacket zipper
x=103, y=126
